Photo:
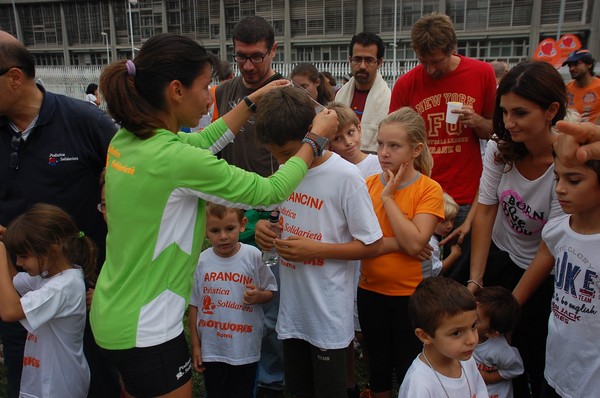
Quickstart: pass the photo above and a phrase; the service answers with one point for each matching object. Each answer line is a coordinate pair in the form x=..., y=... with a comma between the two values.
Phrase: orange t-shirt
x=585, y=100
x=398, y=274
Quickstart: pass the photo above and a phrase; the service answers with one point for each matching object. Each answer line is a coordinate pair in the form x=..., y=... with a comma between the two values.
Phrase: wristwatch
x=317, y=142
x=251, y=105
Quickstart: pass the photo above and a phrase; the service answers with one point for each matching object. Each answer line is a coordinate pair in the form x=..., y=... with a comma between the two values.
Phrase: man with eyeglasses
x=254, y=49
x=444, y=76
x=52, y=150
x=366, y=92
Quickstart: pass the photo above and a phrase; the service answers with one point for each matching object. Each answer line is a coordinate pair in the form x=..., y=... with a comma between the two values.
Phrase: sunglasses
x=15, y=144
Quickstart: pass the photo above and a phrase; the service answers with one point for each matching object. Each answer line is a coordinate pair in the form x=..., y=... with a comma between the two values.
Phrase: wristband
x=319, y=142
x=312, y=144
x=251, y=105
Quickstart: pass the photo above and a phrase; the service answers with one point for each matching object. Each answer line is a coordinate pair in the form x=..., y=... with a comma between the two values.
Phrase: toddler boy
x=437, y=265
x=225, y=324
x=444, y=314
x=498, y=362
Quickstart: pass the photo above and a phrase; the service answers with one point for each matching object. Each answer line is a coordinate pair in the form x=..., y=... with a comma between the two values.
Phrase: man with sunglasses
x=366, y=92
x=52, y=150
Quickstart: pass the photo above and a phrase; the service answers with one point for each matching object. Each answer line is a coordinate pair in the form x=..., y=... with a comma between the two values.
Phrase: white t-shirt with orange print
x=330, y=205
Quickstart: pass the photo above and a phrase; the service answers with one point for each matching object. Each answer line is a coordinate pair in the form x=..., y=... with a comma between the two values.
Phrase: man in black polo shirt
x=52, y=150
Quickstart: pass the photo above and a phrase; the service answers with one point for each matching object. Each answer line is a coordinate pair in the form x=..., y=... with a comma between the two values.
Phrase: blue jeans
x=270, y=366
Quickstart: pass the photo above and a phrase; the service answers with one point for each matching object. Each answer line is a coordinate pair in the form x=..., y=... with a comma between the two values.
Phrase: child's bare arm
x=253, y=295
x=412, y=236
x=540, y=268
x=195, y=339
x=298, y=248
x=492, y=377
x=455, y=252
x=11, y=309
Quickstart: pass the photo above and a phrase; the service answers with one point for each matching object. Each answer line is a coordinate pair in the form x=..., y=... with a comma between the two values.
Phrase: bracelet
x=386, y=199
x=474, y=282
x=312, y=144
x=251, y=105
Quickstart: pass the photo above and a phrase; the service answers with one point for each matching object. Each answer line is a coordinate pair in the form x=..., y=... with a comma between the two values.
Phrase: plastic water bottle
x=270, y=257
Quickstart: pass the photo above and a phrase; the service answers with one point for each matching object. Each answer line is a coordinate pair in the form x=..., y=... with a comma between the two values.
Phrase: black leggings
x=389, y=337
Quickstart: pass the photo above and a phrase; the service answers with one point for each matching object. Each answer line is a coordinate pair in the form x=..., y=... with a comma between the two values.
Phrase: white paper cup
x=452, y=117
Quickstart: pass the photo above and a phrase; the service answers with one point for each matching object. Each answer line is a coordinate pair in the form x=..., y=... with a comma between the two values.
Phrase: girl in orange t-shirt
x=408, y=205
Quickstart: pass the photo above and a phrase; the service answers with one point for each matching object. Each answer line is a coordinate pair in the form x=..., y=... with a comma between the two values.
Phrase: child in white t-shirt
x=497, y=361
x=444, y=315
x=437, y=265
x=225, y=321
x=346, y=142
x=48, y=299
x=326, y=222
x=570, y=246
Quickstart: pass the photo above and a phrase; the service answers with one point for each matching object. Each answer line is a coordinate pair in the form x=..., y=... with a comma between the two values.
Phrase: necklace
x=462, y=370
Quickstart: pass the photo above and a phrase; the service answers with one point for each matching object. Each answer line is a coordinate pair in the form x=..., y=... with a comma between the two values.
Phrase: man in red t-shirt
x=444, y=76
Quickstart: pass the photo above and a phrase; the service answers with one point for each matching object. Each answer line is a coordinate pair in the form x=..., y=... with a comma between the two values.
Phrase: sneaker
x=366, y=392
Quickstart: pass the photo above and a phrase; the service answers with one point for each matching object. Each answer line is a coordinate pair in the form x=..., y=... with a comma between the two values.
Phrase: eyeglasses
x=15, y=144
x=369, y=61
x=101, y=207
x=4, y=70
x=254, y=58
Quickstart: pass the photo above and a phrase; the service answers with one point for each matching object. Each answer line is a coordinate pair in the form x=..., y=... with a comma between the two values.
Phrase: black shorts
x=231, y=381
x=312, y=371
x=156, y=370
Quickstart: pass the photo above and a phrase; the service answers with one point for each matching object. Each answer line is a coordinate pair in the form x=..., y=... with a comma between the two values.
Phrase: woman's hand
x=458, y=233
x=325, y=123
x=258, y=94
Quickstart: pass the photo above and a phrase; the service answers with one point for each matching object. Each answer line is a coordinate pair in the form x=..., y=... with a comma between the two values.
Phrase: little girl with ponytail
x=48, y=298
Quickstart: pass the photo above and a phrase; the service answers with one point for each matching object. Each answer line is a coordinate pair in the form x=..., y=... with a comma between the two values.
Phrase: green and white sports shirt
x=155, y=198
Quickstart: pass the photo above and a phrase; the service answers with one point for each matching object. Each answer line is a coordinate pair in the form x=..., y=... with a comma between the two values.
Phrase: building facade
x=72, y=32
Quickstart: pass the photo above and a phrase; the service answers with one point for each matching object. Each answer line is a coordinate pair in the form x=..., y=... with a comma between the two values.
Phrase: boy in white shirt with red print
x=327, y=222
x=225, y=322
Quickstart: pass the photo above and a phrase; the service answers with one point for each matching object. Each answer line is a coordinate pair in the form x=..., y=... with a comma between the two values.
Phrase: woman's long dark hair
x=134, y=96
x=535, y=81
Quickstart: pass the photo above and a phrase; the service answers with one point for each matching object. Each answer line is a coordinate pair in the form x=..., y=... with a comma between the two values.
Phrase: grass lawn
x=197, y=380
x=198, y=383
